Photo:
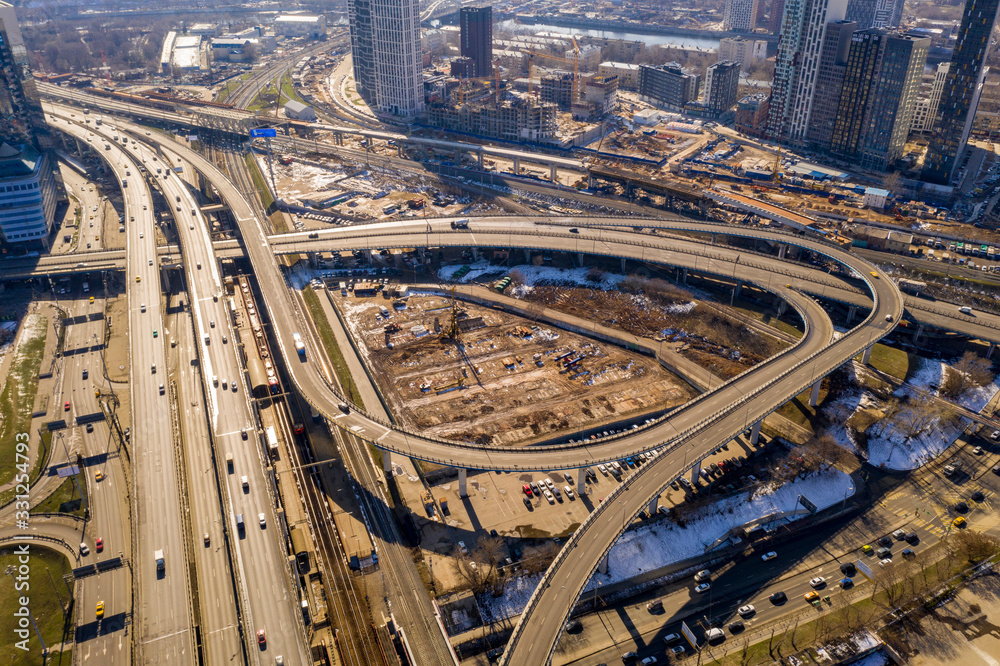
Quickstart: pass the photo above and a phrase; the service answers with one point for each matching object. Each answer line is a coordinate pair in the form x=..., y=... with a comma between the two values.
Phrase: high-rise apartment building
x=744, y=51
x=668, y=85
x=829, y=82
x=896, y=86
x=875, y=13
x=863, y=64
x=476, y=38
x=775, y=15
x=803, y=30
x=962, y=88
x=722, y=85
x=30, y=185
x=385, y=49
x=740, y=15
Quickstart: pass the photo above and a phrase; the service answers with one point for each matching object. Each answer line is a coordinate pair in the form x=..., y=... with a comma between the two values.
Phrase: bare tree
x=972, y=546
x=893, y=182
x=969, y=371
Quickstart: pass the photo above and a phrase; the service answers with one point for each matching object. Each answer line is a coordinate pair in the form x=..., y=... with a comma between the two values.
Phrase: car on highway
x=912, y=538
x=261, y=636
x=90, y=427
x=899, y=535
x=883, y=553
x=630, y=657
x=874, y=274
x=846, y=583
x=263, y=521
x=867, y=550
x=100, y=610
x=208, y=540
x=977, y=496
x=961, y=507
x=817, y=582
x=848, y=568
x=702, y=588
x=959, y=522
x=778, y=598
x=66, y=406
x=138, y=278
x=767, y=557
x=549, y=496
x=736, y=627
x=574, y=627
x=885, y=542
x=98, y=476
x=670, y=639
x=704, y=574
x=908, y=553
x=655, y=606
x=885, y=562
x=245, y=482
x=99, y=544
x=746, y=611
x=678, y=649
x=811, y=596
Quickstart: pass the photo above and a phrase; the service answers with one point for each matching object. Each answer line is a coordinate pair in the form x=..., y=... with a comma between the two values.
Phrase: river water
x=649, y=40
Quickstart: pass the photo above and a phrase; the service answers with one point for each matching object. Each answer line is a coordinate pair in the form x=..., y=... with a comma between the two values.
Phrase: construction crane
x=453, y=332
x=576, y=69
x=531, y=69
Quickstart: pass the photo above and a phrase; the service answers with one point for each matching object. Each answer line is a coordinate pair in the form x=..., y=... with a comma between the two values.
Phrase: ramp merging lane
x=686, y=434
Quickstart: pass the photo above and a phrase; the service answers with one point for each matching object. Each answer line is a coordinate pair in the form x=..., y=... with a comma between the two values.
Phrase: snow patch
x=660, y=544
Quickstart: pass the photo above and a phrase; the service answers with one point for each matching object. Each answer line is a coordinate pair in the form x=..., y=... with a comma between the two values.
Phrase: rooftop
x=17, y=162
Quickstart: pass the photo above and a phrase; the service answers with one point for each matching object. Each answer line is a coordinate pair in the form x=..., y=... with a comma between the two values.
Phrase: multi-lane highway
x=264, y=576
x=164, y=611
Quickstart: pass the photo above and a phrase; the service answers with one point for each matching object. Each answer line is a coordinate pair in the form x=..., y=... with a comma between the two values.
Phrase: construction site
x=466, y=372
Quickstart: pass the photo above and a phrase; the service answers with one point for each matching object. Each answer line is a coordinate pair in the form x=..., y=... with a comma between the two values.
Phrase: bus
x=272, y=442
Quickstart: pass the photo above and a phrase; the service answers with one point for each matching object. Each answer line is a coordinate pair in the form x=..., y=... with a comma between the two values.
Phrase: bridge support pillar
x=737, y=288
x=581, y=481
x=387, y=461
x=814, y=395
x=782, y=304
x=552, y=172
x=695, y=471
x=399, y=150
x=713, y=239
x=527, y=255
x=866, y=357
x=517, y=166
x=851, y=311
x=755, y=433
x=651, y=509
x=579, y=258
x=479, y=155
x=475, y=253
x=781, y=250
x=463, y=489
x=603, y=566
x=989, y=352
x=917, y=333
x=623, y=264
x=684, y=275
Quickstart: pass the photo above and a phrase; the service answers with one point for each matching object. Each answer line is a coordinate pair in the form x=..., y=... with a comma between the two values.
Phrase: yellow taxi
x=91, y=299
x=874, y=274
x=959, y=522
x=98, y=476
x=810, y=597
x=138, y=279
x=867, y=550
x=100, y=609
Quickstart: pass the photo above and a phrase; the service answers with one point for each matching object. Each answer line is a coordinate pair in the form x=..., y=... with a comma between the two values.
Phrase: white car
x=746, y=611
x=463, y=548
x=703, y=588
x=549, y=496
x=569, y=492
x=262, y=519
x=548, y=484
x=602, y=469
x=767, y=557
x=702, y=575
x=817, y=582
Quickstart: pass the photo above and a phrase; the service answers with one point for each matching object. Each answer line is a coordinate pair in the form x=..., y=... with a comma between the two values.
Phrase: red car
x=527, y=489
x=98, y=544
x=261, y=638
x=66, y=406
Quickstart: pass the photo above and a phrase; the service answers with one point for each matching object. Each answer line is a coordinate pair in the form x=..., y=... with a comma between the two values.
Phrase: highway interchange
x=686, y=435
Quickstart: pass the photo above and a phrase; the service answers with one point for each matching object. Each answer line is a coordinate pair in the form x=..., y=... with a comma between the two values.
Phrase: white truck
x=158, y=556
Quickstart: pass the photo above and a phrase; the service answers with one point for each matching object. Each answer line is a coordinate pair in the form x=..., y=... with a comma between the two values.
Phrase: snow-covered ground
x=663, y=543
x=9, y=329
x=891, y=448
x=931, y=373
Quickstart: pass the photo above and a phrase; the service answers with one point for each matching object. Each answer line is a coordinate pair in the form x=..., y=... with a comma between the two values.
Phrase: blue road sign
x=263, y=133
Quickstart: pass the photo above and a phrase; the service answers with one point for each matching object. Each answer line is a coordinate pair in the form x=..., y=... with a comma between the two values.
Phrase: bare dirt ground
x=490, y=388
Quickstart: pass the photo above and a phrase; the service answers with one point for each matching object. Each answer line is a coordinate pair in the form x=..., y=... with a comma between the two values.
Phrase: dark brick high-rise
x=477, y=38
x=962, y=89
